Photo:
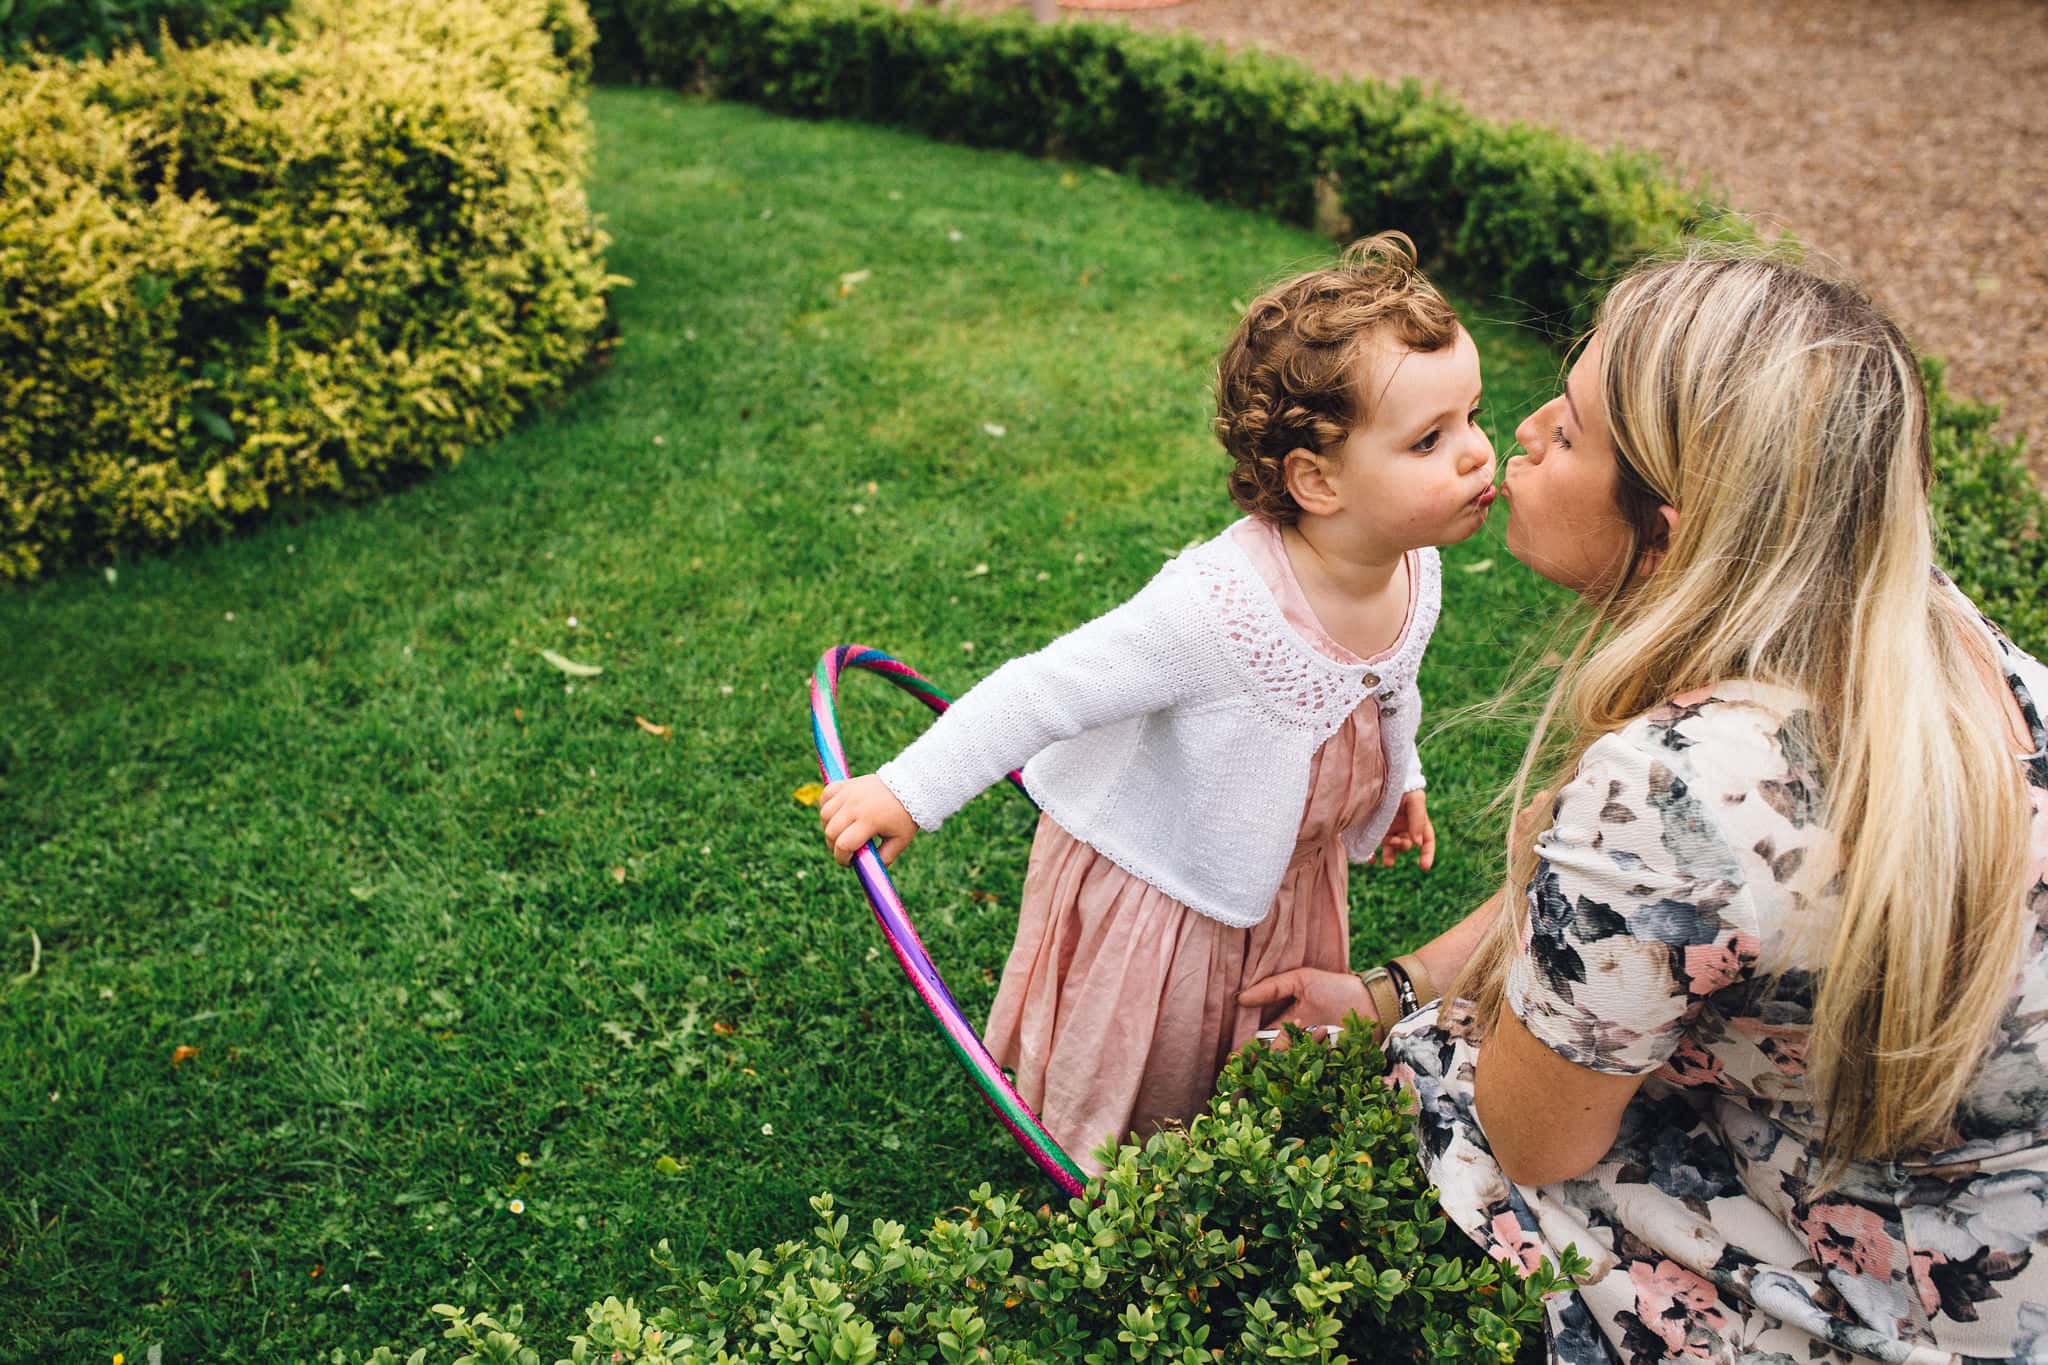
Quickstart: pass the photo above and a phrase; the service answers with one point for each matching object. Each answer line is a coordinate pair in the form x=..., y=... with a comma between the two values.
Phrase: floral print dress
x=1680, y=897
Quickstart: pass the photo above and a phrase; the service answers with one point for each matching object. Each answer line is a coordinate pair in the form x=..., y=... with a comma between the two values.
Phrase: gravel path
x=1905, y=142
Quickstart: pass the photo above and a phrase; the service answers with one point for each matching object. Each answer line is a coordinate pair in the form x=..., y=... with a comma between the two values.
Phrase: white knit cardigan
x=1174, y=734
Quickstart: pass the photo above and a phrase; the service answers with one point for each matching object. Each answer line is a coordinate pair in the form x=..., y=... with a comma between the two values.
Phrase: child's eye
x=1558, y=434
x=1428, y=443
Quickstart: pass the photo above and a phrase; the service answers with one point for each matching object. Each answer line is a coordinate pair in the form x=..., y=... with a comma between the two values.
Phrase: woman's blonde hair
x=1784, y=416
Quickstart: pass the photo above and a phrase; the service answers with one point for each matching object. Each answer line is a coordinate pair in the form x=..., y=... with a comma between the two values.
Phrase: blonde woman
x=1763, y=1027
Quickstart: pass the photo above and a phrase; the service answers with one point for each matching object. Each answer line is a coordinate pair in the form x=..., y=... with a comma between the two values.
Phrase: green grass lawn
x=448, y=929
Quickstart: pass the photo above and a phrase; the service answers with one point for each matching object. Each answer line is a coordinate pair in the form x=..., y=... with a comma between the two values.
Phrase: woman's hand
x=1411, y=829
x=860, y=809
x=1315, y=997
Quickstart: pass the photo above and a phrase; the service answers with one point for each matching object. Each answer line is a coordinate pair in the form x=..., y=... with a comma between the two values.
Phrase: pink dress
x=1118, y=1006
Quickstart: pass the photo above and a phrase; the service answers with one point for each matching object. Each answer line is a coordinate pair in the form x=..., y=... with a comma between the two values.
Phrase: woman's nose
x=1529, y=435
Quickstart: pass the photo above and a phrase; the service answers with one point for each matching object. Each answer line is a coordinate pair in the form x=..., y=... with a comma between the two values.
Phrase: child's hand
x=860, y=809
x=1411, y=829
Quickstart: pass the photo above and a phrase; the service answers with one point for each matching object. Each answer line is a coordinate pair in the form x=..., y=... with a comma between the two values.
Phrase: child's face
x=1419, y=471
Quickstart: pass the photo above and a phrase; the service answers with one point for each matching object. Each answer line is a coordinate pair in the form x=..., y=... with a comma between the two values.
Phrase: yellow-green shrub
x=245, y=272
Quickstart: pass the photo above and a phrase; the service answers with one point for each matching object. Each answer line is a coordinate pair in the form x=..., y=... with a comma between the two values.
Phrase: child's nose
x=1477, y=454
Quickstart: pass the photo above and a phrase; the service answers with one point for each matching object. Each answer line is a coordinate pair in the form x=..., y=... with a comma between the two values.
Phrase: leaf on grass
x=182, y=1054
x=650, y=727
x=809, y=793
x=1479, y=566
x=668, y=1165
x=619, y=875
x=995, y=428
x=852, y=278
x=980, y=897
x=570, y=666
x=721, y=1028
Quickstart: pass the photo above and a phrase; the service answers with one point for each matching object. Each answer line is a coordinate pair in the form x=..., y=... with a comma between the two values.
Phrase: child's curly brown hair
x=1286, y=380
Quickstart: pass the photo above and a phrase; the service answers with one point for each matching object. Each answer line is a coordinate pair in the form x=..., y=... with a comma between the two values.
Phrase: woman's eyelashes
x=1557, y=434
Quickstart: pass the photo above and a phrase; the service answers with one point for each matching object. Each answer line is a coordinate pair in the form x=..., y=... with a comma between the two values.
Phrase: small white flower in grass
x=767, y=1130
x=348, y=1289
x=978, y=571
x=661, y=440
x=995, y=428
x=689, y=334
x=229, y=615
x=1043, y=575
x=955, y=235
x=725, y=689
x=572, y=623
x=111, y=575
x=516, y=1206
x=967, y=646
x=860, y=509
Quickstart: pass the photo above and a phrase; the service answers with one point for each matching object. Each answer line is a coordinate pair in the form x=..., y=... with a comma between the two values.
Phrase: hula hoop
x=895, y=920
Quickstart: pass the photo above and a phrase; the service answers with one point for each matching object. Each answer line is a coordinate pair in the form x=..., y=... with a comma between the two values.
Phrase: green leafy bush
x=77, y=28
x=1991, y=516
x=244, y=273
x=1291, y=1221
x=1524, y=213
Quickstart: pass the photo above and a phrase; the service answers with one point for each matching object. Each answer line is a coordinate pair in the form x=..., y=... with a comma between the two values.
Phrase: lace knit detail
x=1302, y=686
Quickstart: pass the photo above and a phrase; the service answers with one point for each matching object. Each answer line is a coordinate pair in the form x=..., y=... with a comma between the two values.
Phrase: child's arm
x=1143, y=656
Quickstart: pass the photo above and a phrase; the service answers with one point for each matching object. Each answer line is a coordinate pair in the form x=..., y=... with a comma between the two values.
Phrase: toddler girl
x=1213, y=754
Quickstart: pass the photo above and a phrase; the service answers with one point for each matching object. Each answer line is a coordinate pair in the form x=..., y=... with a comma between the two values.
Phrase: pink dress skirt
x=1118, y=1006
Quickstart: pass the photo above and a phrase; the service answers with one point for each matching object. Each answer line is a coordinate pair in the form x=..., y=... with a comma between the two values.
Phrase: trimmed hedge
x=1525, y=213
x=77, y=28
x=1293, y=1220
x=244, y=273
x=1990, y=514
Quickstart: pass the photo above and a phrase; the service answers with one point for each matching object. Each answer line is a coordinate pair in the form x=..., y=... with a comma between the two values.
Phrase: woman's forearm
x=1444, y=956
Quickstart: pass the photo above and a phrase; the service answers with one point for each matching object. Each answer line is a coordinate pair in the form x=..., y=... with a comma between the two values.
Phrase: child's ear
x=1308, y=481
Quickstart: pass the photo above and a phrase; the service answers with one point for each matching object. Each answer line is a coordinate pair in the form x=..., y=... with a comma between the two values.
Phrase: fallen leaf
x=852, y=278
x=980, y=897
x=650, y=727
x=995, y=428
x=570, y=666
x=721, y=1028
x=1479, y=566
x=619, y=875
x=519, y=714
x=182, y=1054
x=809, y=793
x=978, y=571
x=1068, y=180
x=668, y=1165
